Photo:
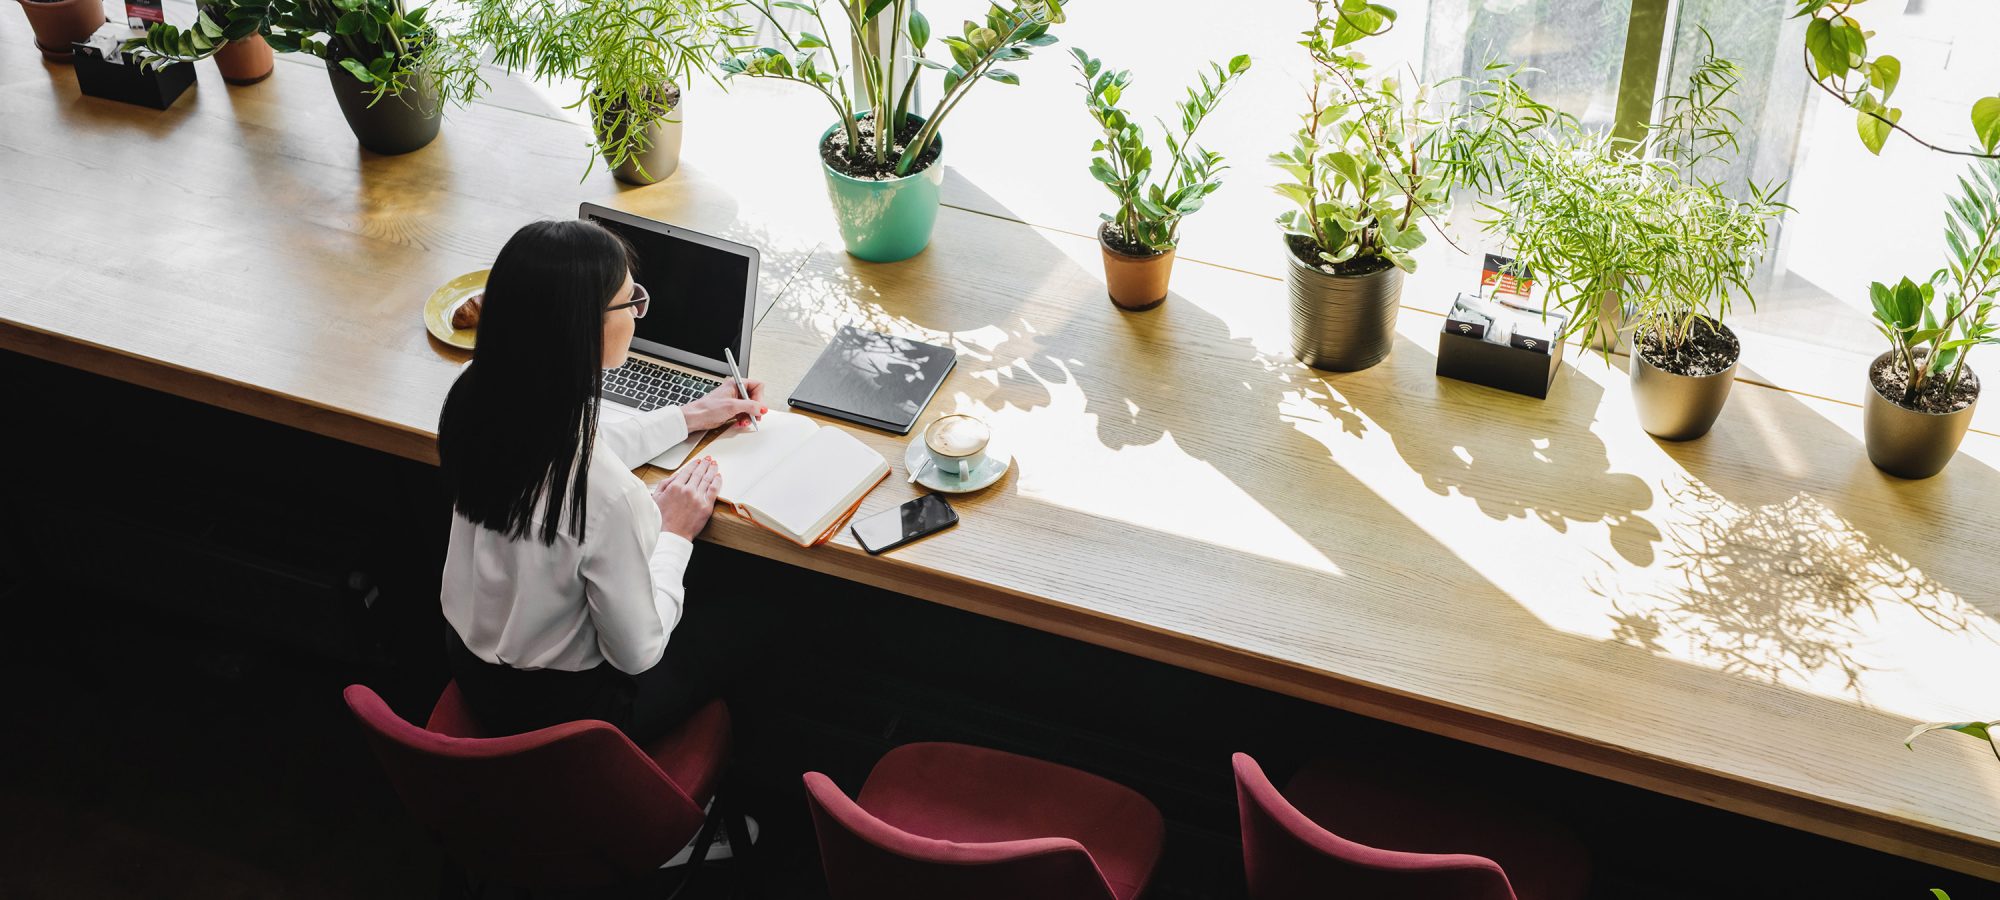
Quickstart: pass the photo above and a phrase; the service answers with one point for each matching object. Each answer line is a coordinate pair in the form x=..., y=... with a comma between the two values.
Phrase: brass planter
x=662, y=156
x=1135, y=283
x=1675, y=407
x=1342, y=323
x=1907, y=443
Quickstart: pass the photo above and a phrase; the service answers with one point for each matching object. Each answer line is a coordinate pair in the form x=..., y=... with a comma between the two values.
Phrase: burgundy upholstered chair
x=1330, y=836
x=569, y=806
x=948, y=820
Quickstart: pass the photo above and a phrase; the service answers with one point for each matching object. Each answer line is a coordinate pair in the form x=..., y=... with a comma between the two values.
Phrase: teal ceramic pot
x=885, y=221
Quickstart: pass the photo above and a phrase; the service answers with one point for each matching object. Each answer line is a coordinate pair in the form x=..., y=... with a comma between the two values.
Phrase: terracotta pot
x=1135, y=283
x=1342, y=323
x=246, y=61
x=1676, y=407
x=59, y=24
x=1906, y=443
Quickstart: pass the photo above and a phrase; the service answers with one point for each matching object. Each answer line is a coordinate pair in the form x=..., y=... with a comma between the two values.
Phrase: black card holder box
x=1526, y=363
x=126, y=81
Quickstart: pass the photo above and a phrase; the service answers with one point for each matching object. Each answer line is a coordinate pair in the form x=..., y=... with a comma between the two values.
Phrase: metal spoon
x=920, y=470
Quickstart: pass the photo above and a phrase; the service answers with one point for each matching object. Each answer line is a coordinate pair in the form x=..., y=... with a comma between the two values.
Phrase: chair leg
x=747, y=877
x=702, y=840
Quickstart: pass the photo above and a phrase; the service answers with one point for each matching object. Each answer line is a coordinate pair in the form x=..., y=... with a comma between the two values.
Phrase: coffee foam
x=957, y=436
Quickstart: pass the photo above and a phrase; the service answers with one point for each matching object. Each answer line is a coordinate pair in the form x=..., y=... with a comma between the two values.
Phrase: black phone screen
x=893, y=528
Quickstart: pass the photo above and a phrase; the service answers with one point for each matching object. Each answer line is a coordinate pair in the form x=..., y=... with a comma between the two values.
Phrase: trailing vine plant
x=1375, y=160
x=1836, y=58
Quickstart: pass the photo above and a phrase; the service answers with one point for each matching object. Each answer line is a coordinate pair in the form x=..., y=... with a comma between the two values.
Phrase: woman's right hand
x=687, y=499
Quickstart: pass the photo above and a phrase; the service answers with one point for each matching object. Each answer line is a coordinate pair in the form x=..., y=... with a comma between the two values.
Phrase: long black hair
x=518, y=426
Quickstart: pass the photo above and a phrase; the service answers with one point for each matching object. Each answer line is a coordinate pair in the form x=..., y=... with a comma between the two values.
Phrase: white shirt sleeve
x=638, y=439
x=632, y=575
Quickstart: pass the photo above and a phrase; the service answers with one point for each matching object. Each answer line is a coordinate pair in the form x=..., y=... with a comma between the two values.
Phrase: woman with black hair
x=563, y=581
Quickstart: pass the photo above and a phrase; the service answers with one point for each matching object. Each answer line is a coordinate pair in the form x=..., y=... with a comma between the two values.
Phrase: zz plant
x=1149, y=212
x=1375, y=158
x=1929, y=344
x=809, y=58
x=383, y=44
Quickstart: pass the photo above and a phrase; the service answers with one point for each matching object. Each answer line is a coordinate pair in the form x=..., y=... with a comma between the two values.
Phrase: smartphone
x=892, y=528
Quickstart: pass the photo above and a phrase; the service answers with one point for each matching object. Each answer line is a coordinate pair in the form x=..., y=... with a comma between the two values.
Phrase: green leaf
x=920, y=30
x=807, y=40
x=359, y=71
x=350, y=23
x=875, y=8
x=1874, y=132
x=1884, y=73
x=1239, y=64
x=1980, y=730
x=1986, y=122
x=1003, y=76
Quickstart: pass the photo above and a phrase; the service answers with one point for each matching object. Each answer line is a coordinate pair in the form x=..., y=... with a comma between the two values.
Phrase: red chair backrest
x=1288, y=857
x=571, y=805
x=869, y=859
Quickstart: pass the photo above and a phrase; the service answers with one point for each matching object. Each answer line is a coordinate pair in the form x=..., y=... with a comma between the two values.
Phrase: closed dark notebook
x=874, y=379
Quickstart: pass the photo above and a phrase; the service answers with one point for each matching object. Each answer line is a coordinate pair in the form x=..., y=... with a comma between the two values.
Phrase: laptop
x=704, y=292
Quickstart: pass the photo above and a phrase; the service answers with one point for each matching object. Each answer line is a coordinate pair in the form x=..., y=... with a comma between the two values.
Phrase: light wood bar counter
x=1750, y=621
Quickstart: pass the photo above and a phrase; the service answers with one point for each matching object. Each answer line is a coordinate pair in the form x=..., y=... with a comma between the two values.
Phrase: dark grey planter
x=399, y=123
x=1342, y=323
x=1676, y=407
x=1907, y=443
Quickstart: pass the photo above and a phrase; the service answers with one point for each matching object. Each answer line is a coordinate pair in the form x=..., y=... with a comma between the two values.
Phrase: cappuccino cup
x=957, y=443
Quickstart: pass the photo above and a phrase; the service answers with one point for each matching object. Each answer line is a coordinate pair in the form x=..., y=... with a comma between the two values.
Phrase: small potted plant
x=1635, y=239
x=1138, y=240
x=59, y=23
x=884, y=180
x=1922, y=395
x=1372, y=164
x=245, y=60
x=633, y=57
x=391, y=68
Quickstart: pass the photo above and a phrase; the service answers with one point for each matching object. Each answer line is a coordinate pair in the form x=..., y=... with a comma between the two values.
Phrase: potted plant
x=391, y=68
x=246, y=60
x=1372, y=163
x=884, y=180
x=59, y=23
x=1922, y=395
x=1138, y=240
x=634, y=58
x=1635, y=239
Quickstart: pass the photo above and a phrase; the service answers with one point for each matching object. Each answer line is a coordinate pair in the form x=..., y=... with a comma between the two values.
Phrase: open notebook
x=795, y=477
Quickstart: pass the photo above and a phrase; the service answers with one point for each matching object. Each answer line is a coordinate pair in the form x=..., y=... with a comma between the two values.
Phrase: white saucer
x=983, y=476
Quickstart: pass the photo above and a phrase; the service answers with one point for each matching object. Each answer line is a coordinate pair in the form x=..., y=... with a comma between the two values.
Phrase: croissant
x=467, y=314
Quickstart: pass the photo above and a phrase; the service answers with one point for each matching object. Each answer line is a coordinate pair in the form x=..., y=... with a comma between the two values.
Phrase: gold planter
x=1675, y=407
x=1906, y=443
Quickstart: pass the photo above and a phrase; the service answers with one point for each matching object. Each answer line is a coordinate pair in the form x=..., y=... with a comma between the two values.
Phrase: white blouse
x=613, y=597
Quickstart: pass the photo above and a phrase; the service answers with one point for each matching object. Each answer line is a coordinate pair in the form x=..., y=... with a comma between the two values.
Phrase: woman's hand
x=687, y=499
x=724, y=404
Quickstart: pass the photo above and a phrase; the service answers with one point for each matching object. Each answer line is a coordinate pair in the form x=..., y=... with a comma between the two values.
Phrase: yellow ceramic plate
x=437, y=310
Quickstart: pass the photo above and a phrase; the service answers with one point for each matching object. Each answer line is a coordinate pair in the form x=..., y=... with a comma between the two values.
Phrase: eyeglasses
x=640, y=299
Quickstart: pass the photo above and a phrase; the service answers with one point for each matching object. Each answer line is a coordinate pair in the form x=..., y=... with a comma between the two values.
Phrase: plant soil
x=1893, y=383
x=1707, y=351
x=833, y=151
x=1119, y=243
x=1306, y=252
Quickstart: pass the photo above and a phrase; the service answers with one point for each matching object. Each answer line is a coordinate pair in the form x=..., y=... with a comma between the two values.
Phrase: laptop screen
x=700, y=293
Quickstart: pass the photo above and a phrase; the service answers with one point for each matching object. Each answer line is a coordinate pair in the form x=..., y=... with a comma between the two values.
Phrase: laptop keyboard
x=648, y=386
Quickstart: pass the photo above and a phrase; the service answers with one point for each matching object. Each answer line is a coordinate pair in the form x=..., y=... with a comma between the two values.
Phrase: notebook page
x=746, y=457
x=824, y=477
